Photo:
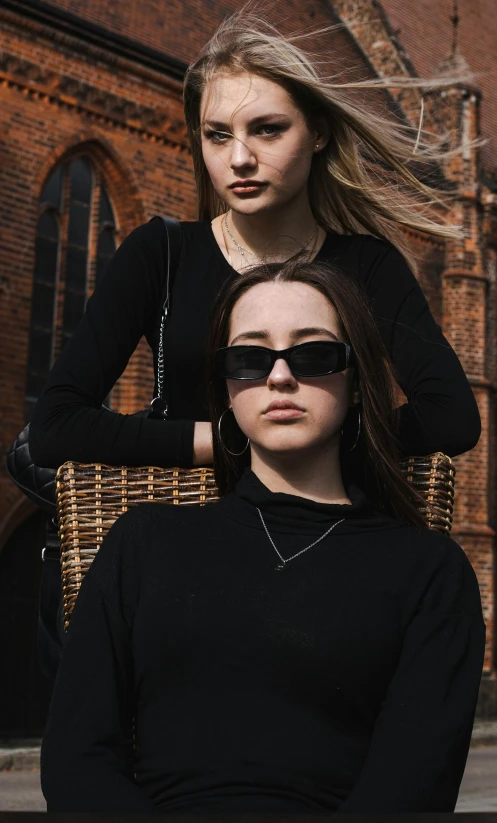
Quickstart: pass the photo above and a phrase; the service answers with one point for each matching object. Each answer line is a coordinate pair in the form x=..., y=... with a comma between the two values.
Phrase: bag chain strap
x=159, y=407
x=160, y=358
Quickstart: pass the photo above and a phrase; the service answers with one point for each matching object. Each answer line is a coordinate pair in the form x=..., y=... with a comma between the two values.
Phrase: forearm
x=418, y=775
x=439, y=422
x=62, y=430
x=202, y=444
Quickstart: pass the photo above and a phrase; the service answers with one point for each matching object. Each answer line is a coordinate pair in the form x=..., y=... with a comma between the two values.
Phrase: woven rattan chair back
x=90, y=498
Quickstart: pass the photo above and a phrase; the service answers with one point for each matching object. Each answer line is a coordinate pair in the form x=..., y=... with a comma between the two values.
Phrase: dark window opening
x=73, y=204
x=76, y=268
x=106, y=245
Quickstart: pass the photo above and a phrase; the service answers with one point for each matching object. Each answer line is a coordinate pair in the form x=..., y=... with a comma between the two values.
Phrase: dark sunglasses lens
x=315, y=359
x=247, y=363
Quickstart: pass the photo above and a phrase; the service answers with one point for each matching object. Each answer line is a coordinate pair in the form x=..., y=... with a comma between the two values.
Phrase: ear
x=320, y=133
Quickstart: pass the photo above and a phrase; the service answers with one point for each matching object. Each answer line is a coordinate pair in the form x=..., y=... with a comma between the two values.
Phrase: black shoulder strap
x=159, y=406
x=173, y=231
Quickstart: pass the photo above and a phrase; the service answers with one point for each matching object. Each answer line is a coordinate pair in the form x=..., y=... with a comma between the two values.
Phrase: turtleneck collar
x=289, y=513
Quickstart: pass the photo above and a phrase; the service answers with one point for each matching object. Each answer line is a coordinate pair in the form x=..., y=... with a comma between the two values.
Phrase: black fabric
x=69, y=424
x=347, y=682
x=50, y=633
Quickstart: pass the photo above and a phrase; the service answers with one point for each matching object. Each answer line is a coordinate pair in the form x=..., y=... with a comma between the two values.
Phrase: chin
x=287, y=441
x=247, y=208
x=288, y=445
x=256, y=205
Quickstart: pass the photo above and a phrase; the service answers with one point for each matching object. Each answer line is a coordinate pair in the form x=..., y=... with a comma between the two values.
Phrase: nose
x=281, y=376
x=241, y=155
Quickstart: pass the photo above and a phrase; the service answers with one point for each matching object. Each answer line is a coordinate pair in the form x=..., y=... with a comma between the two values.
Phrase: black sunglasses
x=304, y=360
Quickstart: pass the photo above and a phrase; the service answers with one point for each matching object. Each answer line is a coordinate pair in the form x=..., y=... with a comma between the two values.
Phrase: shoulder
x=444, y=571
x=365, y=245
x=195, y=228
x=141, y=525
x=138, y=541
x=426, y=552
x=434, y=544
x=430, y=545
x=140, y=262
x=364, y=256
x=152, y=235
x=139, y=259
x=151, y=232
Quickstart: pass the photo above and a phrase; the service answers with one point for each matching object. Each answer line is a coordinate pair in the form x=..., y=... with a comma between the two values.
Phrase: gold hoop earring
x=234, y=454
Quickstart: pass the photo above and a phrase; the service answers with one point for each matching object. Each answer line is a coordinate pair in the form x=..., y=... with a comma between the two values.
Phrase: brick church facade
x=93, y=143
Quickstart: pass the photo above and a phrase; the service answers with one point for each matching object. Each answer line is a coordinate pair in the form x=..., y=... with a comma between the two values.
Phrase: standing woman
x=285, y=164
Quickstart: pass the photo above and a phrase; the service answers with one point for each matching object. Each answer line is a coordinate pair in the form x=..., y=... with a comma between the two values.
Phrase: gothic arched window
x=75, y=239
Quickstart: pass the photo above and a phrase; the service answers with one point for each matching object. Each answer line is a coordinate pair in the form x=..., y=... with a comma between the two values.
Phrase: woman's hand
x=202, y=444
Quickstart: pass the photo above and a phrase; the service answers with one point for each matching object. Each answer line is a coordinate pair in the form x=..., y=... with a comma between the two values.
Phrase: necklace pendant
x=281, y=567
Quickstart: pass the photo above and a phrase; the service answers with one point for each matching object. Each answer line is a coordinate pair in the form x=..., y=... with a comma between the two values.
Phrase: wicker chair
x=90, y=498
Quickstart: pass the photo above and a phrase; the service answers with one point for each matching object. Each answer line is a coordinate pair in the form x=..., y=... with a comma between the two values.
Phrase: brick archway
x=122, y=187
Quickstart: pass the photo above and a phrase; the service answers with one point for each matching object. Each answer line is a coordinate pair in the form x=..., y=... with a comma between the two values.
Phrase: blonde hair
x=363, y=181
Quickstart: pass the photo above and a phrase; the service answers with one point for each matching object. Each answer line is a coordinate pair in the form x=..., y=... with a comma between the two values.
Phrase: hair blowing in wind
x=372, y=176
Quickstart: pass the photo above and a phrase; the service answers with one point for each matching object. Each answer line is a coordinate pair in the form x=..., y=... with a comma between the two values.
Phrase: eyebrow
x=262, y=118
x=295, y=335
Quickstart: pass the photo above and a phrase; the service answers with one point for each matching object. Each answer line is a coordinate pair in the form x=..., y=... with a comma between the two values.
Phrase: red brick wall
x=181, y=27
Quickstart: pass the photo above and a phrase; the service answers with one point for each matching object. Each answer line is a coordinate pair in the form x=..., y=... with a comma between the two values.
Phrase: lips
x=238, y=184
x=247, y=186
x=282, y=404
x=283, y=410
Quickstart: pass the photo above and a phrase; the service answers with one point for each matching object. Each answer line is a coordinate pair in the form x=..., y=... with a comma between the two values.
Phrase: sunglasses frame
x=275, y=354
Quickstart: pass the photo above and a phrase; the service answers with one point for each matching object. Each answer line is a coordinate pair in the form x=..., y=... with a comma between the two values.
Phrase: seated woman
x=303, y=645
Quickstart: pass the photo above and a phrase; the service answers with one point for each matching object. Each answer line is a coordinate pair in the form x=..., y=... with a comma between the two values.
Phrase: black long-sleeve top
x=346, y=682
x=69, y=423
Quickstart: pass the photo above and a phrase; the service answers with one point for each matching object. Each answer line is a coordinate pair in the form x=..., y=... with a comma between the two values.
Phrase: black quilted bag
x=37, y=483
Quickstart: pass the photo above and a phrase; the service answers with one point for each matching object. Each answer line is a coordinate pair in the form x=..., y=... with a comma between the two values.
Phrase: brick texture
x=424, y=31
x=180, y=28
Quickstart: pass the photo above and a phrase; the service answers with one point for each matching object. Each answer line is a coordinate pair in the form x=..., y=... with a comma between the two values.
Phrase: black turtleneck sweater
x=346, y=682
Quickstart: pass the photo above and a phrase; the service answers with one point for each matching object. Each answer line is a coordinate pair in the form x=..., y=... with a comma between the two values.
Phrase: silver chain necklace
x=285, y=563
x=243, y=251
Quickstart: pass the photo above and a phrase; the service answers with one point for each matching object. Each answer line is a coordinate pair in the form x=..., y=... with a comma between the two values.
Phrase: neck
x=316, y=476
x=277, y=232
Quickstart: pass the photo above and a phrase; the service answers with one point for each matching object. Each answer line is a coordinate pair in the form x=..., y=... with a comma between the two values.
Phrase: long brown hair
x=378, y=446
x=367, y=179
